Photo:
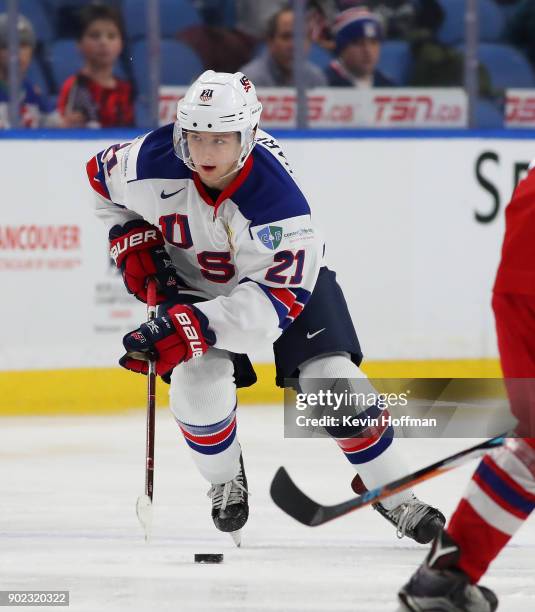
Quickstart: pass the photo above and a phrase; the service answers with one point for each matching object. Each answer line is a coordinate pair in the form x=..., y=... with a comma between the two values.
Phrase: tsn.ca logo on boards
x=420, y=109
x=281, y=110
x=520, y=110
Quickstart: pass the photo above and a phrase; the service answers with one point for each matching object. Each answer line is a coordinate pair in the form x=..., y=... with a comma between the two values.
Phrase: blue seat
x=218, y=12
x=175, y=15
x=34, y=10
x=507, y=67
x=488, y=114
x=452, y=30
x=65, y=60
x=180, y=65
x=319, y=56
x=395, y=61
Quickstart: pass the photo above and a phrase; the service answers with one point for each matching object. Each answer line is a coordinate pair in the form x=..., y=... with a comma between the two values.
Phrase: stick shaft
x=151, y=398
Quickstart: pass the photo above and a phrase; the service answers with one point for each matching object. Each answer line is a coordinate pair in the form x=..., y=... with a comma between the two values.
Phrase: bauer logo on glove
x=180, y=335
x=133, y=239
x=138, y=249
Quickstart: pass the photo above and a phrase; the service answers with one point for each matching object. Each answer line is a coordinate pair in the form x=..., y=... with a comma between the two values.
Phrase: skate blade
x=403, y=606
x=236, y=537
x=144, y=514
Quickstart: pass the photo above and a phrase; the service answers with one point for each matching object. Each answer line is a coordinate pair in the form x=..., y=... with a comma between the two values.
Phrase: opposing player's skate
x=230, y=505
x=414, y=518
x=439, y=586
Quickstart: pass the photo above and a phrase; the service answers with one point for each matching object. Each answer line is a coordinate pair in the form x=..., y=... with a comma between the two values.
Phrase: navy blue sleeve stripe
x=269, y=194
x=157, y=159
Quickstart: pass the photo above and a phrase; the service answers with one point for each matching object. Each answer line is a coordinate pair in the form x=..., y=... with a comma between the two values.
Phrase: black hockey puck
x=209, y=558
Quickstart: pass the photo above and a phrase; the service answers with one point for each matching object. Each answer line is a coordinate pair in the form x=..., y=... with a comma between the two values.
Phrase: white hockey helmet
x=218, y=102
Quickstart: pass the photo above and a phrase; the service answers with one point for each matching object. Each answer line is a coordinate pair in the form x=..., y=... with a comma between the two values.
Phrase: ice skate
x=439, y=586
x=230, y=506
x=414, y=518
x=432, y=590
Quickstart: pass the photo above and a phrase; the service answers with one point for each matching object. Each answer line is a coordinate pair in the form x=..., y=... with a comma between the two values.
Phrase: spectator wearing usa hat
x=358, y=36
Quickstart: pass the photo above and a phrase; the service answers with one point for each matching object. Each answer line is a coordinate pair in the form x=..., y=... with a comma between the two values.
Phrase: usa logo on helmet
x=246, y=83
x=206, y=95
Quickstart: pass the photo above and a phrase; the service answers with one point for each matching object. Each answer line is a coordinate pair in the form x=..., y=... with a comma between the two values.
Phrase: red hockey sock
x=479, y=542
x=499, y=498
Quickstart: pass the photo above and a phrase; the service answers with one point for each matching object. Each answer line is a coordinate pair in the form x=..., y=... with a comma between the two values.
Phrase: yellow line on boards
x=109, y=390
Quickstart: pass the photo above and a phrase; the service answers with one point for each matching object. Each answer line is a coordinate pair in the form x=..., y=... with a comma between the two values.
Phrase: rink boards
x=413, y=225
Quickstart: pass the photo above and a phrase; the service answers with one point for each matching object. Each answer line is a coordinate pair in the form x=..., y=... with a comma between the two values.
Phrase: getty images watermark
x=432, y=408
x=361, y=417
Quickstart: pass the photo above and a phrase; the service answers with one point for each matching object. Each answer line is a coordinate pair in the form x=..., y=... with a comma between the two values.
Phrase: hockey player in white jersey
x=208, y=206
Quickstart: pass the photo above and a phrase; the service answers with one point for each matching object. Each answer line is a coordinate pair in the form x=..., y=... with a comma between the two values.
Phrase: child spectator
x=94, y=97
x=33, y=108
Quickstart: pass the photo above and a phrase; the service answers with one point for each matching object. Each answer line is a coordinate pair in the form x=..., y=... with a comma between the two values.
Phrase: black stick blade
x=290, y=499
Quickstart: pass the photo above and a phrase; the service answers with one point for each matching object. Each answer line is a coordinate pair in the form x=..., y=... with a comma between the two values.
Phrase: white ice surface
x=68, y=488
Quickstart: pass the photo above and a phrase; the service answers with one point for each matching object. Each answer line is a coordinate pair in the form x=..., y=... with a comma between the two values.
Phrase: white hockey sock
x=376, y=459
x=203, y=401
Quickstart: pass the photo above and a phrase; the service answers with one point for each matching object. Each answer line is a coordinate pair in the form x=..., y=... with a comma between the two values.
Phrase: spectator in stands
x=435, y=64
x=94, y=97
x=274, y=68
x=358, y=36
x=253, y=16
x=239, y=39
x=521, y=28
x=34, y=108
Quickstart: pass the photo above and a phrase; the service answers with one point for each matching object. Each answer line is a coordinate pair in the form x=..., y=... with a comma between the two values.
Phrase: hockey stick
x=289, y=498
x=144, y=502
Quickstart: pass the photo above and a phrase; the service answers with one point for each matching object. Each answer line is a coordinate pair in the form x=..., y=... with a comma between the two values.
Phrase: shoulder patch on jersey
x=157, y=159
x=269, y=194
x=286, y=234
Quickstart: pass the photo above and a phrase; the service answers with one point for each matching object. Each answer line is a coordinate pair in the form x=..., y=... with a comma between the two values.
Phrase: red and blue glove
x=138, y=249
x=180, y=335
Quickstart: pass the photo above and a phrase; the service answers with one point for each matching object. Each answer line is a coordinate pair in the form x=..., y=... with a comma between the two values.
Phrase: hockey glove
x=137, y=247
x=180, y=335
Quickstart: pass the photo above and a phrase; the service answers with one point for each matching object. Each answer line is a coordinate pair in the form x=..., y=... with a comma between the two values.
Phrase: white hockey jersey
x=254, y=254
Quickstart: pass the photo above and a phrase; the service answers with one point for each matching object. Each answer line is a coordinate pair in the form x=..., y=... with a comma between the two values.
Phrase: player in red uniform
x=501, y=494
